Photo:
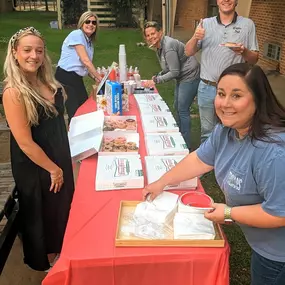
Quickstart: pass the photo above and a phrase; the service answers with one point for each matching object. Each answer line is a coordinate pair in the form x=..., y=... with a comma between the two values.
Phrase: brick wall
x=269, y=18
x=188, y=11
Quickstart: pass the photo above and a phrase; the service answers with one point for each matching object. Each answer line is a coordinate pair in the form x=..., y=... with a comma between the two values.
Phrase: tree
x=46, y=3
x=124, y=11
x=72, y=10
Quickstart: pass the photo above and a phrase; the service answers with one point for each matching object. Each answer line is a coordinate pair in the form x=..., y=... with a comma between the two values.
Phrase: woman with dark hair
x=185, y=70
x=247, y=152
x=76, y=61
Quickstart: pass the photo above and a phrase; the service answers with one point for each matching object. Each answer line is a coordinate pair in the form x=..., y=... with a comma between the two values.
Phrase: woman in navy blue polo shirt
x=76, y=61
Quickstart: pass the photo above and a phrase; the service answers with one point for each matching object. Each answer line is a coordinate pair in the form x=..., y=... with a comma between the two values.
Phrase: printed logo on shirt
x=234, y=181
x=237, y=29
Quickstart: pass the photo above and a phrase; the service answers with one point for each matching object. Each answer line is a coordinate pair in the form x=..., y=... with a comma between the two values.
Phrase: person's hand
x=239, y=49
x=200, y=31
x=56, y=177
x=153, y=190
x=98, y=78
x=149, y=83
x=217, y=214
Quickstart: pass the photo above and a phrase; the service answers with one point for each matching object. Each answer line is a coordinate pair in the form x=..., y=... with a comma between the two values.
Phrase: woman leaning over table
x=175, y=65
x=41, y=164
x=76, y=61
x=247, y=152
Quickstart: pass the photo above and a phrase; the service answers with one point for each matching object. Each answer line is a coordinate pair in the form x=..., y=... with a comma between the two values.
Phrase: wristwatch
x=227, y=214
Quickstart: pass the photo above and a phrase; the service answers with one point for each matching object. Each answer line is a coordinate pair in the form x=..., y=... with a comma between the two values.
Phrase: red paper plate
x=196, y=199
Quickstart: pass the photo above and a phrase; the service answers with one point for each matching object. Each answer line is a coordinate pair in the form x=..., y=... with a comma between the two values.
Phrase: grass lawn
x=106, y=51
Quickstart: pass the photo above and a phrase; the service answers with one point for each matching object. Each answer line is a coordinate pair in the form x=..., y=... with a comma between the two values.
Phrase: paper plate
x=196, y=199
x=232, y=45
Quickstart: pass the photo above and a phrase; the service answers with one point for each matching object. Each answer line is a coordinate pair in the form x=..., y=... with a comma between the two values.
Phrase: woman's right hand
x=151, y=191
x=56, y=177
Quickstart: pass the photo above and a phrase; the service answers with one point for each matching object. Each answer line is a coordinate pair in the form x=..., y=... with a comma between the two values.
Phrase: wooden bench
x=10, y=230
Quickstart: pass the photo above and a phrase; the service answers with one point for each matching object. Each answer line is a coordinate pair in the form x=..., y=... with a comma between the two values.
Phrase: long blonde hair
x=15, y=78
x=85, y=16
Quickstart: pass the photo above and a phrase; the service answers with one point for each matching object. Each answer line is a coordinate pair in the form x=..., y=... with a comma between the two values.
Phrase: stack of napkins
x=156, y=166
x=119, y=172
x=192, y=226
x=165, y=144
x=159, y=124
x=160, y=211
x=156, y=107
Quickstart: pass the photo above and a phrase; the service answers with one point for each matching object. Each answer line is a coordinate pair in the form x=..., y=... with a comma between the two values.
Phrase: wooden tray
x=127, y=208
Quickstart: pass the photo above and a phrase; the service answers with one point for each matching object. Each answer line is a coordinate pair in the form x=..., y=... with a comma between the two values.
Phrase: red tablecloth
x=89, y=255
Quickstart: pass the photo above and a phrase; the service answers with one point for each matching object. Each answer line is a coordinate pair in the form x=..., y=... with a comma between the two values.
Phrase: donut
x=107, y=148
x=117, y=145
x=130, y=127
x=107, y=139
x=130, y=120
x=121, y=125
x=120, y=140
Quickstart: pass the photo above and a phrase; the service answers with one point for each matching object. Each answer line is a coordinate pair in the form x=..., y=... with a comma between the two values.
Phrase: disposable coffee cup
x=122, y=49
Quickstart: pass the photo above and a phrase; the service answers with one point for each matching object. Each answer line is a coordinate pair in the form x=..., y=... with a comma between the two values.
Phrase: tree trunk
x=46, y=2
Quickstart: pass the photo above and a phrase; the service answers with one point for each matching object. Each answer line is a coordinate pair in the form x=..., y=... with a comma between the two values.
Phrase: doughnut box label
x=154, y=108
x=147, y=98
x=165, y=144
x=156, y=166
x=159, y=124
x=119, y=172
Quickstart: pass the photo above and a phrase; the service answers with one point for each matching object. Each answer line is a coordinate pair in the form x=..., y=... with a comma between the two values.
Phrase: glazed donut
x=107, y=139
x=123, y=148
x=120, y=140
x=121, y=125
x=108, y=144
x=107, y=148
x=130, y=127
x=117, y=145
x=130, y=121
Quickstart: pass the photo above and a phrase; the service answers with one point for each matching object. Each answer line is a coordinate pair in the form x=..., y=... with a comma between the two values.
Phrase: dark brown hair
x=269, y=114
x=151, y=24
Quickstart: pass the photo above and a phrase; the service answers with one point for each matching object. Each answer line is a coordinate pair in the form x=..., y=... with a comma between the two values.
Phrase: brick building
x=269, y=18
x=268, y=15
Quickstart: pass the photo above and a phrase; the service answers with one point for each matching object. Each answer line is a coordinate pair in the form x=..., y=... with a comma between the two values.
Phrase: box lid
x=85, y=123
x=119, y=172
x=156, y=166
x=165, y=144
x=159, y=123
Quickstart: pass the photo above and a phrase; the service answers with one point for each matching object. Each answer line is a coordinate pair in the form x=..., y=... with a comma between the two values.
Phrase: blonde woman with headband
x=40, y=157
x=76, y=61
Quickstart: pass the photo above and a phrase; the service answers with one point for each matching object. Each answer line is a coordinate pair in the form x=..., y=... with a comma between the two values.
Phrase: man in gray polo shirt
x=226, y=28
